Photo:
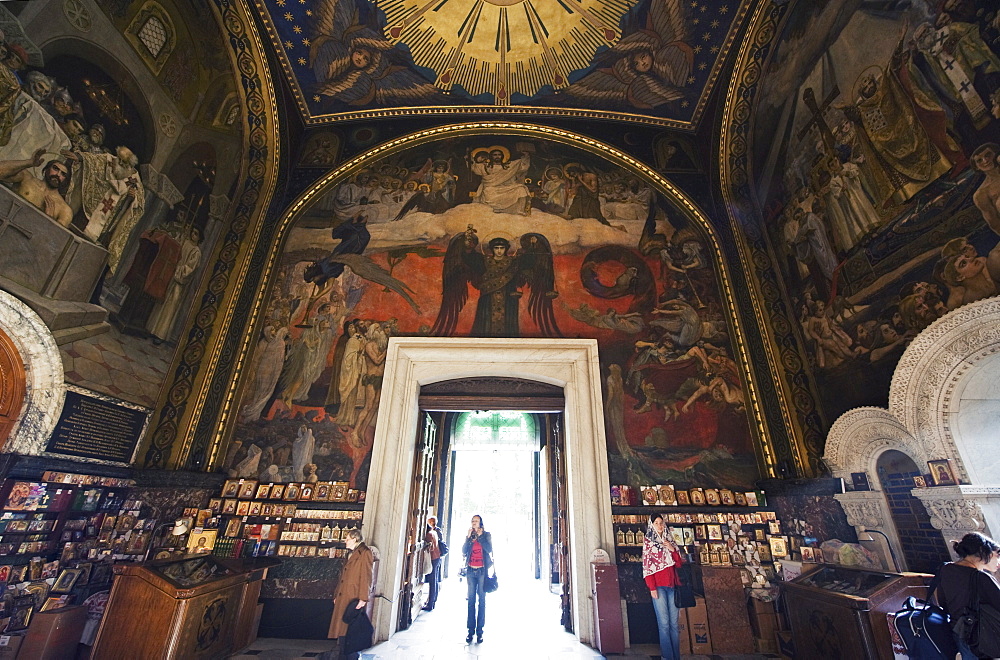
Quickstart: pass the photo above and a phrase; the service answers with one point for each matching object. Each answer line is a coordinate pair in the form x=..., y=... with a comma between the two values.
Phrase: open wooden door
x=413, y=592
x=12, y=385
x=556, y=462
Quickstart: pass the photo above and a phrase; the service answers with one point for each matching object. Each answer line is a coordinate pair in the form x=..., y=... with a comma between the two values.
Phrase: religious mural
x=494, y=236
x=108, y=216
x=657, y=58
x=876, y=145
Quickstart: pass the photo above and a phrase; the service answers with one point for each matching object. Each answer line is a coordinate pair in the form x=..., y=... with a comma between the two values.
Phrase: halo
x=504, y=150
x=480, y=150
x=551, y=168
x=484, y=245
x=569, y=165
x=856, y=93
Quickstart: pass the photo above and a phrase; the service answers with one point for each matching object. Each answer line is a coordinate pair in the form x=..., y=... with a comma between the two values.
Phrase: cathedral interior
x=271, y=270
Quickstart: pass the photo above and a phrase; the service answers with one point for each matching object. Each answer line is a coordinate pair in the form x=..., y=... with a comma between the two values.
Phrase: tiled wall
x=923, y=546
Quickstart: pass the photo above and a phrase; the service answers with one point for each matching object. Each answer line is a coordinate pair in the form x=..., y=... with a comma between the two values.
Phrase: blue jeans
x=666, y=623
x=476, y=577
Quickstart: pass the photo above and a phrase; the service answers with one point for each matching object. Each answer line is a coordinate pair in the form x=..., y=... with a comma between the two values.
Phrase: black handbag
x=490, y=583
x=683, y=592
x=979, y=625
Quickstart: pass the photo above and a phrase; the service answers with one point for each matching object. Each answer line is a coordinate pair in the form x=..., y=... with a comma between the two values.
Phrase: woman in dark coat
x=980, y=557
x=478, y=552
x=355, y=582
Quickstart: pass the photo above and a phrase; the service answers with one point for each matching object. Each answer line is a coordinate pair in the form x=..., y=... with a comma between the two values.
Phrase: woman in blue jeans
x=660, y=559
x=478, y=552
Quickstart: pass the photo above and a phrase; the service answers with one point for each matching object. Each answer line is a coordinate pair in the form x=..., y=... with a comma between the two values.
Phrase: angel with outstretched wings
x=645, y=69
x=355, y=64
x=499, y=276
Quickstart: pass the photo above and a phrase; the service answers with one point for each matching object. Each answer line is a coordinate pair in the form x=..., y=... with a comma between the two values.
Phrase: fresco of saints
x=499, y=276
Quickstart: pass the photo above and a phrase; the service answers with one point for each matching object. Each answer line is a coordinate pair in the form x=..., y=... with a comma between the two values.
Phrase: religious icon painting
x=700, y=533
x=807, y=554
x=243, y=508
x=919, y=482
x=247, y=489
x=215, y=504
x=779, y=546
x=752, y=498
x=774, y=527
x=688, y=535
x=714, y=532
x=683, y=497
x=667, y=496
x=697, y=497
x=255, y=509
x=233, y=527
x=818, y=556
x=292, y=492
x=277, y=491
x=942, y=472
x=759, y=534
x=229, y=507
x=678, y=535
x=231, y=488
x=263, y=490
x=727, y=498
x=740, y=499
x=649, y=495
x=712, y=497
x=322, y=493
x=306, y=492
x=267, y=510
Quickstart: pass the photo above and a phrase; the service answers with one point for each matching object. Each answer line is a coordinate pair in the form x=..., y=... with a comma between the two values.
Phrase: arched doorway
x=12, y=385
x=923, y=546
x=414, y=361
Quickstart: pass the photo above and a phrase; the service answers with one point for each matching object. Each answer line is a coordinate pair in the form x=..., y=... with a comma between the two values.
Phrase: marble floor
x=522, y=621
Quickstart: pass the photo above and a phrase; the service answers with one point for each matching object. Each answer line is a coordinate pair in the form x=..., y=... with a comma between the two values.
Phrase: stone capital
x=952, y=509
x=864, y=508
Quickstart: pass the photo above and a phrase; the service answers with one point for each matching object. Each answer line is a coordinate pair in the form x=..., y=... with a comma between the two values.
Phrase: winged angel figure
x=499, y=276
x=356, y=65
x=644, y=69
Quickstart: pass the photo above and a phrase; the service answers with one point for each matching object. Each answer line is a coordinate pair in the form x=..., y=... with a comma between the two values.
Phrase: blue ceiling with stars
x=652, y=61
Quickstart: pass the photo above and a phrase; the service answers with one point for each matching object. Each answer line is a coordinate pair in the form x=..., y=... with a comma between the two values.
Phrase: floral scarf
x=656, y=554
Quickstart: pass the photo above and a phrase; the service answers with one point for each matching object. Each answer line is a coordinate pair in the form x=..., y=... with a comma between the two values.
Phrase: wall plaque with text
x=98, y=428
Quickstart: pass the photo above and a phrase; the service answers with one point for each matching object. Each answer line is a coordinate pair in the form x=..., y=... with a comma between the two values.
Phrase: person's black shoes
x=479, y=639
x=468, y=638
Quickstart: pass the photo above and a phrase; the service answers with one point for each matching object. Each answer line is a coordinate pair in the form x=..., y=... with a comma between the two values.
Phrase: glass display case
x=841, y=612
x=192, y=572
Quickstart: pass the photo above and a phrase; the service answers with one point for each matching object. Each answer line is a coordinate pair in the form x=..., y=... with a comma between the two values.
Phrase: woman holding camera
x=478, y=552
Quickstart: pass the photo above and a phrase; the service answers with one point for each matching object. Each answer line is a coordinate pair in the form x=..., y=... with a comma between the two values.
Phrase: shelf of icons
x=669, y=495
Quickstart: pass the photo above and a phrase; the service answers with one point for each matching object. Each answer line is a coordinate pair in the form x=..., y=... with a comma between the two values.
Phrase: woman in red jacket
x=660, y=559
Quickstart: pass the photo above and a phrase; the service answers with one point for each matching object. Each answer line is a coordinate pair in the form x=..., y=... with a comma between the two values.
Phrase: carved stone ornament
x=860, y=435
x=935, y=366
x=863, y=509
x=949, y=511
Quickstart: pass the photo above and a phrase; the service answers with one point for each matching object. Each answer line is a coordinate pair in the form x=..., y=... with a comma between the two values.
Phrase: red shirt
x=476, y=556
x=666, y=577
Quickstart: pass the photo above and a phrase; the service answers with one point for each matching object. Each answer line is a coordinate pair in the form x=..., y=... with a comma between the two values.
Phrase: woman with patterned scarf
x=660, y=559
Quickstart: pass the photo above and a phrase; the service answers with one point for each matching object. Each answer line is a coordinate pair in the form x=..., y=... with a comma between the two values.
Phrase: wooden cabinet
x=198, y=607
x=609, y=632
x=841, y=613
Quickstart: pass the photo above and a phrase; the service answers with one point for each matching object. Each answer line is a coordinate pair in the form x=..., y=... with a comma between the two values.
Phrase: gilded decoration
x=203, y=349
x=651, y=61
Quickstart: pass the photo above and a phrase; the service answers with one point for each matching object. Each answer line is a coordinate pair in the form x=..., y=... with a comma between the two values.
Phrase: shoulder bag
x=683, y=592
x=979, y=624
x=924, y=629
x=491, y=584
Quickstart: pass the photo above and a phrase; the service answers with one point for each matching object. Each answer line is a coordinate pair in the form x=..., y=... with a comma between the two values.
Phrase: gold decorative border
x=763, y=449
x=734, y=146
x=192, y=375
x=494, y=110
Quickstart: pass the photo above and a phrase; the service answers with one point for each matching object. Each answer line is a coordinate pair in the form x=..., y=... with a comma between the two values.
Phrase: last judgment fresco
x=495, y=237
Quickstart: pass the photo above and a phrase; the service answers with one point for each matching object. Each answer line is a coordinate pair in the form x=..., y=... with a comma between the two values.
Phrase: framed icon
x=683, y=498
x=667, y=496
x=860, y=481
x=740, y=499
x=727, y=498
x=231, y=488
x=779, y=546
x=277, y=491
x=248, y=488
x=697, y=497
x=712, y=497
x=263, y=490
x=752, y=500
x=942, y=472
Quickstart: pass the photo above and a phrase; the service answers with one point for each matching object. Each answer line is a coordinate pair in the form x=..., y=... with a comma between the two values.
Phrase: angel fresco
x=354, y=63
x=645, y=69
x=499, y=276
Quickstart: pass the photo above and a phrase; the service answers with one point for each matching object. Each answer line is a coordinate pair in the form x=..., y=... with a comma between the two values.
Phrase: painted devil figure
x=499, y=275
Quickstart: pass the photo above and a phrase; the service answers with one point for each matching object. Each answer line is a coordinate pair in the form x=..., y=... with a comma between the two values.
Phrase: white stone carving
x=45, y=388
x=863, y=508
x=859, y=436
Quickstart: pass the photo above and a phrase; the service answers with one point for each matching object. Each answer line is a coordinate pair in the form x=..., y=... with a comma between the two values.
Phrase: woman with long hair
x=660, y=559
x=979, y=558
x=478, y=552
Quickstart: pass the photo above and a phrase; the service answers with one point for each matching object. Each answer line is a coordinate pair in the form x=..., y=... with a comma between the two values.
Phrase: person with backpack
x=968, y=584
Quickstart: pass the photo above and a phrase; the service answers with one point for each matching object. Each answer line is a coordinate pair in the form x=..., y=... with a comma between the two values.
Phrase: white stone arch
x=944, y=403
x=45, y=387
